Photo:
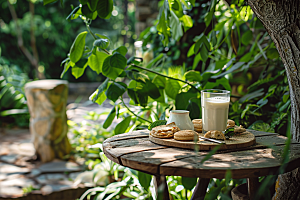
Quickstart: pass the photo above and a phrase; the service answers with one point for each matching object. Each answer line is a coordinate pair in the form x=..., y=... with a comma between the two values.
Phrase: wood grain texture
x=150, y=161
x=138, y=152
x=242, y=164
x=242, y=140
x=114, y=149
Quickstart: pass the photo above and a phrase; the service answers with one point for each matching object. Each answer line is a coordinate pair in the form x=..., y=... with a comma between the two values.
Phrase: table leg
x=200, y=189
x=160, y=183
x=253, y=185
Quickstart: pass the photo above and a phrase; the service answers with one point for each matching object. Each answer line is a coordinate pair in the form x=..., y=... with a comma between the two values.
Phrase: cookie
x=186, y=135
x=197, y=125
x=164, y=131
x=230, y=123
x=215, y=134
x=239, y=129
x=198, y=130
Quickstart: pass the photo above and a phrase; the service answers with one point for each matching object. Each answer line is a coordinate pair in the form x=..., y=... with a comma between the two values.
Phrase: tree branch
x=26, y=52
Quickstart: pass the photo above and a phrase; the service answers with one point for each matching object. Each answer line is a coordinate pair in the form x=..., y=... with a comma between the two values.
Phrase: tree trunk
x=281, y=20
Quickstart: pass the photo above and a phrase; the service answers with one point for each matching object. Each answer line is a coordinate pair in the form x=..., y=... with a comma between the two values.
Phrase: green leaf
x=247, y=37
x=144, y=179
x=132, y=94
x=261, y=126
x=182, y=99
x=117, y=60
x=272, y=53
x=204, y=53
x=66, y=68
x=208, y=17
x=48, y=1
x=142, y=98
x=88, y=13
x=122, y=50
x=162, y=27
x=95, y=61
x=137, y=76
x=101, y=43
x=176, y=27
x=232, y=69
x=187, y=22
x=101, y=89
x=109, y=118
x=188, y=183
x=109, y=71
x=77, y=47
x=83, y=2
x=92, y=4
x=200, y=43
x=152, y=90
x=172, y=88
x=193, y=76
x=78, y=71
x=194, y=110
x=135, y=85
x=123, y=125
x=159, y=81
x=114, y=91
x=104, y=8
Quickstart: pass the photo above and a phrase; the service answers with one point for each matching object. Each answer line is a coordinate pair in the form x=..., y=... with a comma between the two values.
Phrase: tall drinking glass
x=215, y=106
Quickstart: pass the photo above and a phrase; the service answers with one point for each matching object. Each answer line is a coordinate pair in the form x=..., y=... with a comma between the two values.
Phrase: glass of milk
x=215, y=105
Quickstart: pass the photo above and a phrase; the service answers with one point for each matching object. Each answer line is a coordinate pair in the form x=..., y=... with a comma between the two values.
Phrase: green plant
x=13, y=107
x=227, y=54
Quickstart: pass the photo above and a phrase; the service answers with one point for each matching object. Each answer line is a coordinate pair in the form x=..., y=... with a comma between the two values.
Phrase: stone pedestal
x=47, y=101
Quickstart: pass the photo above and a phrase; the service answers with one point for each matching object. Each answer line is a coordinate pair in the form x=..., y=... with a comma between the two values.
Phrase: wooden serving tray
x=242, y=140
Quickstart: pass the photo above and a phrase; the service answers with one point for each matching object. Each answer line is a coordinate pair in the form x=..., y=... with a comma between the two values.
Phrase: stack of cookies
x=197, y=125
x=172, y=130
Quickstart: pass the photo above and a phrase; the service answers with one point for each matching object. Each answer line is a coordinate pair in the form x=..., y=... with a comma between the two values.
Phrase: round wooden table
x=136, y=151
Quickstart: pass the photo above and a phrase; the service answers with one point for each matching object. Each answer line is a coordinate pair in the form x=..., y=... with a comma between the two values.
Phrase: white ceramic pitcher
x=181, y=119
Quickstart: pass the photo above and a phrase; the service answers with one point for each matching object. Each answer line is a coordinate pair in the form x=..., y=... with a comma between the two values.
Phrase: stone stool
x=46, y=100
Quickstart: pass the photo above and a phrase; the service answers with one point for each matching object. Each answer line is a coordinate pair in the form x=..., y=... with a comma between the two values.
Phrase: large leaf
x=247, y=37
x=194, y=110
x=101, y=89
x=176, y=26
x=144, y=179
x=96, y=61
x=193, y=76
x=162, y=25
x=109, y=71
x=104, y=8
x=188, y=183
x=48, y=1
x=92, y=4
x=132, y=94
x=123, y=125
x=232, y=69
x=159, y=81
x=137, y=76
x=183, y=98
x=142, y=98
x=88, y=13
x=109, y=118
x=152, y=90
x=122, y=50
x=114, y=91
x=78, y=71
x=172, y=88
x=118, y=61
x=101, y=43
x=77, y=47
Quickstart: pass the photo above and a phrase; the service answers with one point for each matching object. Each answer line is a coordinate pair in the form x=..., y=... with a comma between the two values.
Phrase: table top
x=136, y=151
